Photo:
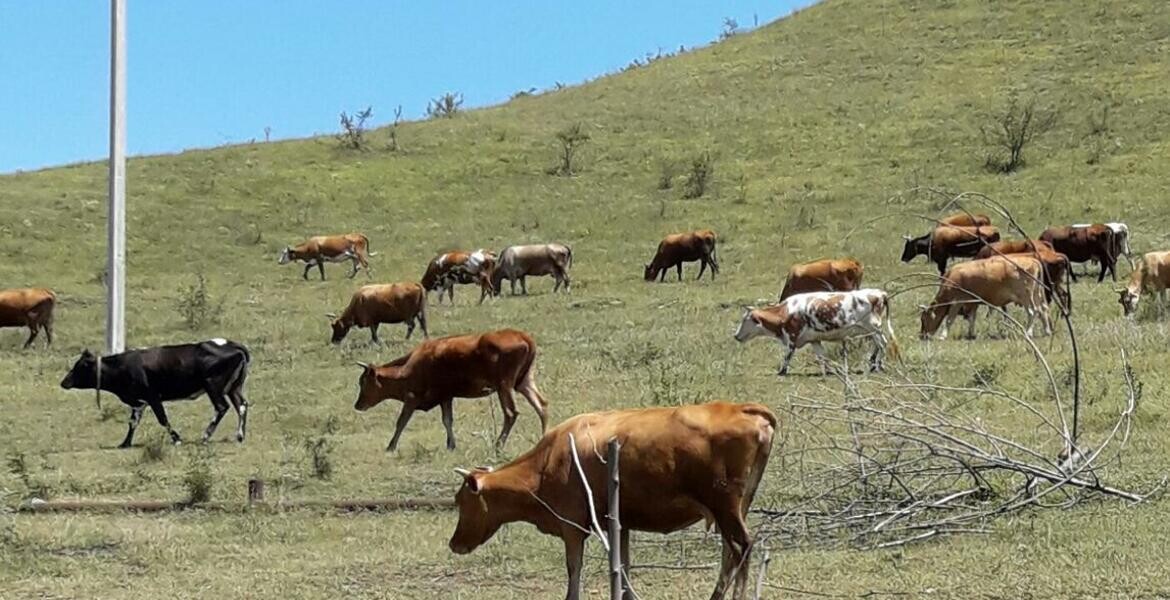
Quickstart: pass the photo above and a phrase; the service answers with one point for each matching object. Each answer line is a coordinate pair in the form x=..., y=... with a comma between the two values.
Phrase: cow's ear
x=86, y=353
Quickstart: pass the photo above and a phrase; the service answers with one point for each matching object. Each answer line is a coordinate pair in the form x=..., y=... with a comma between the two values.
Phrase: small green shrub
x=198, y=479
x=699, y=176
x=196, y=307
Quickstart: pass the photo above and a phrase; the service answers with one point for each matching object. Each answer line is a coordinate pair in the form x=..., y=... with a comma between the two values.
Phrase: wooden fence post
x=255, y=491
x=615, y=527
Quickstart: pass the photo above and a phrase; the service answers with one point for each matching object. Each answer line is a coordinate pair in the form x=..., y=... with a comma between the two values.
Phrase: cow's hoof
x=240, y=439
x=123, y=446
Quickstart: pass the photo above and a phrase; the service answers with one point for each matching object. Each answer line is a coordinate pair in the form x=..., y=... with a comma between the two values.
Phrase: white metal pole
x=116, y=225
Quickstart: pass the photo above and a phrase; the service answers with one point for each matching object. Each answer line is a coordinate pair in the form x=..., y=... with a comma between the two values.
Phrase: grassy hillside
x=816, y=125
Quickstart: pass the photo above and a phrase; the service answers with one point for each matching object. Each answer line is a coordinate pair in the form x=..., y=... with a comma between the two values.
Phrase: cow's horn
x=463, y=472
x=922, y=307
x=330, y=315
x=362, y=364
x=907, y=238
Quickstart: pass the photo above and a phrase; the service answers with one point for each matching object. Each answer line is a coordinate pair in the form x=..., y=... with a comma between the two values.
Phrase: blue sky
x=209, y=72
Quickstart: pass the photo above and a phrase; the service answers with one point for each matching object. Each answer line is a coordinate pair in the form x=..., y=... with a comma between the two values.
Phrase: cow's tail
x=892, y=341
x=570, y=249
x=526, y=385
x=715, y=249
x=763, y=451
x=369, y=252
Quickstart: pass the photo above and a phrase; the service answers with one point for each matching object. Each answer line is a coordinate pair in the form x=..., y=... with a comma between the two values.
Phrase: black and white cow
x=151, y=376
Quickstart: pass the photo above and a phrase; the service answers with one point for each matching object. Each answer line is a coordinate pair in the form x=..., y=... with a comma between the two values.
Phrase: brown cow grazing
x=677, y=248
x=946, y=242
x=1082, y=244
x=465, y=366
x=1056, y=265
x=373, y=305
x=320, y=249
x=450, y=268
x=828, y=275
x=518, y=262
x=1152, y=275
x=998, y=282
x=29, y=307
x=964, y=219
x=679, y=466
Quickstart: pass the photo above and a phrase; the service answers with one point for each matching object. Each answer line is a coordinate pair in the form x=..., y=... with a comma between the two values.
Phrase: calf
x=466, y=366
x=320, y=249
x=1151, y=275
x=829, y=275
x=1082, y=244
x=817, y=317
x=679, y=466
x=946, y=242
x=151, y=376
x=965, y=219
x=29, y=307
x=518, y=262
x=373, y=305
x=677, y=248
x=1056, y=266
x=450, y=268
x=997, y=282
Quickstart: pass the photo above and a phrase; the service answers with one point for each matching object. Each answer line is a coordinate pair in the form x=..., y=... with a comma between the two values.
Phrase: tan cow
x=1057, y=268
x=373, y=305
x=946, y=242
x=519, y=262
x=1151, y=275
x=320, y=249
x=964, y=219
x=828, y=275
x=465, y=366
x=458, y=266
x=677, y=248
x=679, y=466
x=29, y=307
x=998, y=281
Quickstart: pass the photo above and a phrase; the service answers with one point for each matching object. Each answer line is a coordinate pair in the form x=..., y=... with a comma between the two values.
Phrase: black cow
x=151, y=376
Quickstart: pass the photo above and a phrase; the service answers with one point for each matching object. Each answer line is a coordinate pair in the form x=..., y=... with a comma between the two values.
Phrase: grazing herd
x=680, y=465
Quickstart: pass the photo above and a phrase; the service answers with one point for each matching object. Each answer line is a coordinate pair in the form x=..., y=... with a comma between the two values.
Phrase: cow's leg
x=48, y=327
x=1031, y=311
x=449, y=422
x=353, y=261
x=374, y=334
x=160, y=414
x=942, y=266
x=567, y=280
x=33, y=329
x=321, y=268
x=135, y=416
x=702, y=268
x=970, y=314
x=410, y=327
x=236, y=395
x=422, y=323
x=952, y=313
x=508, y=407
x=305, y=275
x=574, y=557
x=821, y=358
x=736, y=549
x=450, y=292
x=403, y=419
x=220, y=404
x=678, y=268
x=524, y=284
x=879, y=348
x=787, y=359
x=531, y=393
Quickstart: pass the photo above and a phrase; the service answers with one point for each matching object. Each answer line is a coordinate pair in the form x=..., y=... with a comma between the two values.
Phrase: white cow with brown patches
x=812, y=318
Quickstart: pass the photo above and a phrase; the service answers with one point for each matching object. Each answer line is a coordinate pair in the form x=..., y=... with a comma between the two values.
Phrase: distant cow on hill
x=1082, y=244
x=450, y=268
x=151, y=376
x=437, y=371
x=998, y=282
x=828, y=275
x=677, y=248
x=29, y=307
x=679, y=466
x=373, y=305
x=321, y=249
x=519, y=262
x=946, y=242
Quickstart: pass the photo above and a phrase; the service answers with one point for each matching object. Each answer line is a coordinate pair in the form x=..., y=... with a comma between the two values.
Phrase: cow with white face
x=812, y=318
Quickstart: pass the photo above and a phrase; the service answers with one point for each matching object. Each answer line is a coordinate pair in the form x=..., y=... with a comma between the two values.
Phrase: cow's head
x=932, y=317
x=909, y=249
x=340, y=328
x=749, y=326
x=371, y=390
x=476, y=524
x=83, y=375
x=285, y=256
x=649, y=272
x=1128, y=300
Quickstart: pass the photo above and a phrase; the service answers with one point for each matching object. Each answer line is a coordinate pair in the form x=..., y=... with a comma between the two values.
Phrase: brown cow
x=828, y=275
x=458, y=266
x=465, y=366
x=373, y=305
x=946, y=242
x=1151, y=275
x=1082, y=244
x=320, y=249
x=1056, y=265
x=964, y=219
x=29, y=307
x=679, y=466
x=677, y=248
x=998, y=282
